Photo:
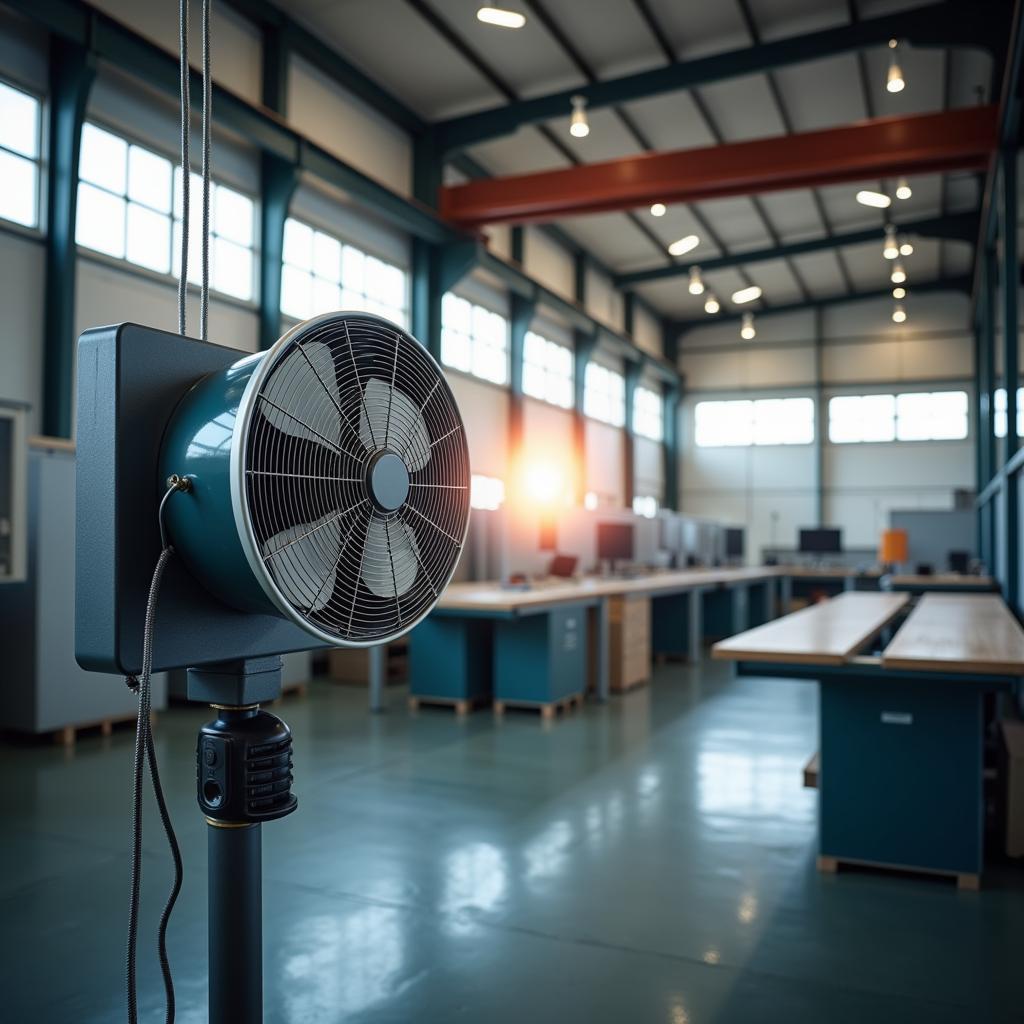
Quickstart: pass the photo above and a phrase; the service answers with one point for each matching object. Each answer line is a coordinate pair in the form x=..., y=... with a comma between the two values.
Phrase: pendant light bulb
x=894, y=81
x=892, y=249
x=747, y=331
x=903, y=189
x=899, y=314
x=579, y=126
x=696, y=284
x=899, y=292
x=711, y=304
x=906, y=249
x=657, y=209
x=899, y=275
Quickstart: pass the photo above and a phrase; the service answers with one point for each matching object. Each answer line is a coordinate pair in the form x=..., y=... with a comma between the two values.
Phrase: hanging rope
x=185, y=111
x=204, y=293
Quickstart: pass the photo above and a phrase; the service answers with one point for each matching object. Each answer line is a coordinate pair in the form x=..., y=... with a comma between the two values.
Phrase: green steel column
x=583, y=348
x=820, y=423
x=1011, y=365
x=633, y=371
x=71, y=76
x=278, y=180
x=519, y=323
x=670, y=448
x=989, y=355
x=425, y=319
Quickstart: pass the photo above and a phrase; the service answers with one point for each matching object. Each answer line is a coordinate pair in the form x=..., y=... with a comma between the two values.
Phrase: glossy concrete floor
x=647, y=861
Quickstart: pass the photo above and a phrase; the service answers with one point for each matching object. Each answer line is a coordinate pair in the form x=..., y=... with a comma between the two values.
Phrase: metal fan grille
x=356, y=560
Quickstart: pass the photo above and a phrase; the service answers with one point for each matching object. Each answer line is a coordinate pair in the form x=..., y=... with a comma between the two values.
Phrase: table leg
x=785, y=594
x=695, y=617
x=740, y=600
x=768, y=588
x=378, y=670
x=604, y=646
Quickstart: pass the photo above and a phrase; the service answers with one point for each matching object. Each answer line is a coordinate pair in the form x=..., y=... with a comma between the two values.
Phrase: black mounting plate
x=130, y=378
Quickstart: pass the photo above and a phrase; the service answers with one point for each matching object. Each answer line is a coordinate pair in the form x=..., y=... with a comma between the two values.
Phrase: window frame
x=317, y=225
x=123, y=264
x=639, y=414
x=894, y=396
x=752, y=422
x=617, y=423
x=448, y=367
x=40, y=160
x=548, y=372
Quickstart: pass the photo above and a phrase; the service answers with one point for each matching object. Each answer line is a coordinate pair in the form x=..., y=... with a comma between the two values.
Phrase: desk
x=901, y=734
x=807, y=580
x=529, y=645
x=946, y=582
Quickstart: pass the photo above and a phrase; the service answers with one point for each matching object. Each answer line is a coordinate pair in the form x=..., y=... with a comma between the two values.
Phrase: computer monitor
x=821, y=541
x=614, y=542
x=734, y=542
x=959, y=561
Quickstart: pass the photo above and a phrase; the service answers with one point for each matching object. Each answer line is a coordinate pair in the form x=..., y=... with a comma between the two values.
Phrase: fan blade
x=302, y=399
x=390, y=560
x=390, y=414
x=303, y=560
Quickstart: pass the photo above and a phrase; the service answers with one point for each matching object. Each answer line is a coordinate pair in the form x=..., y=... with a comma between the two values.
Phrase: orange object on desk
x=894, y=547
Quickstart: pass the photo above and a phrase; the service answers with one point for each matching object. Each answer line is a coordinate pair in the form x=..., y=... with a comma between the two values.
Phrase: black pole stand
x=243, y=778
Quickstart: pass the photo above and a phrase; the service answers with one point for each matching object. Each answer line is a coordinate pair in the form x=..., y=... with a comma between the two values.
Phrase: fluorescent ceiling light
x=499, y=16
x=746, y=294
x=683, y=245
x=877, y=199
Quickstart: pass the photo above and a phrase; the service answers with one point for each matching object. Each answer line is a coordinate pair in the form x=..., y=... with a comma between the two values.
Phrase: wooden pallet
x=461, y=705
x=547, y=709
x=831, y=865
x=68, y=735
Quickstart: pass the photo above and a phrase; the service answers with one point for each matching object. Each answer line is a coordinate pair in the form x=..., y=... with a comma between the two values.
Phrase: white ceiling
x=397, y=47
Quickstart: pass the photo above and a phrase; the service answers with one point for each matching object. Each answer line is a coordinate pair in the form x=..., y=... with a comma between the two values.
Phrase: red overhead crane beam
x=882, y=148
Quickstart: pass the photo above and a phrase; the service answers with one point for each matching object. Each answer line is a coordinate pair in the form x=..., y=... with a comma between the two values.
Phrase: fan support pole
x=243, y=778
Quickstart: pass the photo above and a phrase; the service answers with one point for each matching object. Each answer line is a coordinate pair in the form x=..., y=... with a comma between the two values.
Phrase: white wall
x=549, y=263
x=772, y=490
x=21, y=337
x=647, y=331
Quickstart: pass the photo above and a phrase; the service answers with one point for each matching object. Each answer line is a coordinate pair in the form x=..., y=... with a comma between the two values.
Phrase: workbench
x=530, y=646
x=901, y=731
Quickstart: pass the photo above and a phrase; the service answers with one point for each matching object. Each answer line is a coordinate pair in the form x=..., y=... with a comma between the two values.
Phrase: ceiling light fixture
x=899, y=292
x=877, y=199
x=500, y=17
x=903, y=190
x=906, y=249
x=891, y=249
x=899, y=314
x=696, y=284
x=579, y=126
x=683, y=245
x=748, y=331
x=899, y=275
x=746, y=294
x=658, y=209
x=711, y=304
x=894, y=79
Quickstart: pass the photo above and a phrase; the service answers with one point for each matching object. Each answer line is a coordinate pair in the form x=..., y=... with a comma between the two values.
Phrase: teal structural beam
x=942, y=284
x=436, y=269
x=629, y=314
x=1011, y=367
x=517, y=240
x=109, y=40
x=992, y=276
x=820, y=420
x=633, y=372
x=961, y=227
x=670, y=447
x=584, y=344
x=278, y=180
x=71, y=77
x=936, y=24
x=520, y=321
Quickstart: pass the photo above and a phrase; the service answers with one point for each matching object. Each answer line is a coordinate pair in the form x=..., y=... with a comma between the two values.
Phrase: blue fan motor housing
x=205, y=529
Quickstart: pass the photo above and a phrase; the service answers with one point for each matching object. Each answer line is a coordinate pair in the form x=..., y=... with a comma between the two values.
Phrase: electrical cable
x=204, y=293
x=185, y=112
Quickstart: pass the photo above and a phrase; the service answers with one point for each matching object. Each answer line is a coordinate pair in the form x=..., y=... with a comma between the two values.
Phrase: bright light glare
x=906, y=249
x=543, y=482
x=590, y=501
x=899, y=292
x=868, y=198
x=899, y=314
x=486, y=492
x=746, y=294
x=711, y=304
x=502, y=18
x=658, y=209
x=683, y=245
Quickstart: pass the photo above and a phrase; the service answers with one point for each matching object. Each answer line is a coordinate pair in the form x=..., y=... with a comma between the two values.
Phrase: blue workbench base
x=450, y=659
x=541, y=659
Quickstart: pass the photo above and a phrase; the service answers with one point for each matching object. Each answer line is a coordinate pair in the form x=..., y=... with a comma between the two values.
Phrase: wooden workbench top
x=943, y=579
x=826, y=572
x=959, y=633
x=490, y=596
x=828, y=633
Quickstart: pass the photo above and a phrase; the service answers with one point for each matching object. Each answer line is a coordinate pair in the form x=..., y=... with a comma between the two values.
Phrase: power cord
x=145, y=749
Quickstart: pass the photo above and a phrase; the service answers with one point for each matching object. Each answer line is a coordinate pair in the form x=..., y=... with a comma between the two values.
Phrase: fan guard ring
x=350, y=478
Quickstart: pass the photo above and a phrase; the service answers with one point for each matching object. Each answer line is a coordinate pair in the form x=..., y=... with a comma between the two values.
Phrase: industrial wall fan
x=314, y=494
